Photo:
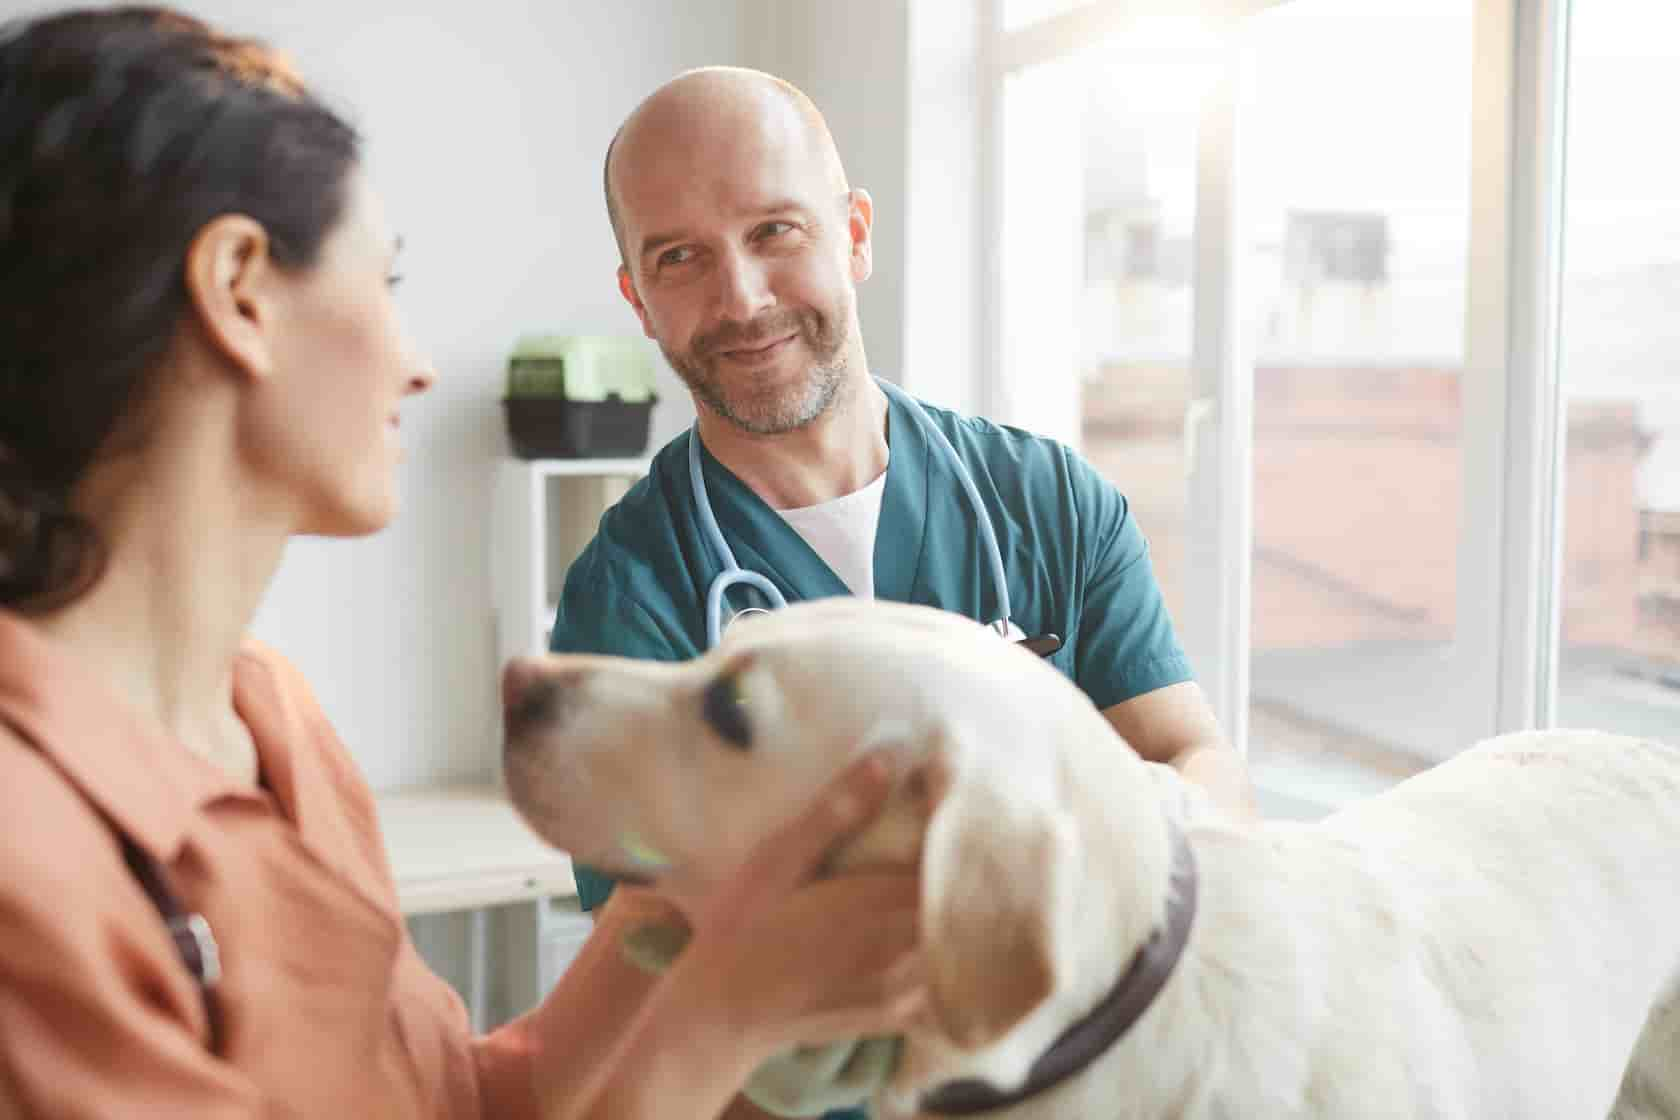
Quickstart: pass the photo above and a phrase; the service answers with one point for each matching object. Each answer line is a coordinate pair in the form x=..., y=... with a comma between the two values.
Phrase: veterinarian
x=742, y=247
x=200, y=357
x=742, y=244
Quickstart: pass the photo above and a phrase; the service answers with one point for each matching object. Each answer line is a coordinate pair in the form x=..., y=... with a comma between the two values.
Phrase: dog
x=1497, y=937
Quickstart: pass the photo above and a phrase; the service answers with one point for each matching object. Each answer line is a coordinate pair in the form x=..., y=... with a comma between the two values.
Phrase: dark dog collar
x=1085, y=1041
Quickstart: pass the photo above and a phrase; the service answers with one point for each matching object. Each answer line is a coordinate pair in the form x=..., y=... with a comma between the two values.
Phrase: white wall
x=486, y=124
x=898, y=82
x=485, y=128
x=851, y=60
x=945, y=350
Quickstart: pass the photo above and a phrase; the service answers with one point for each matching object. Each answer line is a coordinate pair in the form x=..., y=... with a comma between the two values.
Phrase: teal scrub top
x=1076, y=563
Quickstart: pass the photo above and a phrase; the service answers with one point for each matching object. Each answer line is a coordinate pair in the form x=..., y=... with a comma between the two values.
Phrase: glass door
x=1618, y=591
x=1233, y=272
x=1114, y=284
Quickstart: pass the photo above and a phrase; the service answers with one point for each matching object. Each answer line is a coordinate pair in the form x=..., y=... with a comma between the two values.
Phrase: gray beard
x=787, y=412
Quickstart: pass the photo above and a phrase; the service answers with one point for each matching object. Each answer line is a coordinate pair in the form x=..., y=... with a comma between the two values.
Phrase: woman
x=200, y=358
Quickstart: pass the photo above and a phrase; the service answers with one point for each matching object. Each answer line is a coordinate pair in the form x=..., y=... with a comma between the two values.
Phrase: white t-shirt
x=842, y=532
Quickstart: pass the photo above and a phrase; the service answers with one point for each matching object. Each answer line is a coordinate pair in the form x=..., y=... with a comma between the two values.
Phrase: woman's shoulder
x=256, y=655
x=275, y=694
x=270, y=687
x=50, y=826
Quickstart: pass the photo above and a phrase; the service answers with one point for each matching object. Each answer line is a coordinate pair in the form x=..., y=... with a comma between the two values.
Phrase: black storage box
x=556, y=428
x=579, y=397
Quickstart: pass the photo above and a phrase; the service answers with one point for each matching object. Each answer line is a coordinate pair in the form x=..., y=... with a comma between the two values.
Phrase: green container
x=581, y=368
x=579, y=396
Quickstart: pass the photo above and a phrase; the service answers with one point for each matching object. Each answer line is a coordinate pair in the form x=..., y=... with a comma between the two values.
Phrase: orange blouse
x=328, y=1011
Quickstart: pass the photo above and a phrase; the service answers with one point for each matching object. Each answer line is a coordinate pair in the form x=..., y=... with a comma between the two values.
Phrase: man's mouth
x=758, y=353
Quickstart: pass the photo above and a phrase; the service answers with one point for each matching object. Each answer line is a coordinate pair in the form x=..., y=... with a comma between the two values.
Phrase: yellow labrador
x=1496, y=938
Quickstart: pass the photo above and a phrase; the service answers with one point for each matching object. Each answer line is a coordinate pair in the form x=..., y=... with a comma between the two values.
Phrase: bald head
x=716, y=112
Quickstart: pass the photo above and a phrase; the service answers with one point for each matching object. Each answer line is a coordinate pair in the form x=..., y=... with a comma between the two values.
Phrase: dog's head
x=671, y=772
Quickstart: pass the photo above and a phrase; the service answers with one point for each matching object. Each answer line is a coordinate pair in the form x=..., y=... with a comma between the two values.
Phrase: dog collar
x=1085, y=1041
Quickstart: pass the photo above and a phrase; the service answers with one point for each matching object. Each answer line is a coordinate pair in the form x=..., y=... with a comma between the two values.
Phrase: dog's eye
x=726, y=711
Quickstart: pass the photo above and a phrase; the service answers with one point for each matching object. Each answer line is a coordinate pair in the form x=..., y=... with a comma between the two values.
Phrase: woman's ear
x=229, y=278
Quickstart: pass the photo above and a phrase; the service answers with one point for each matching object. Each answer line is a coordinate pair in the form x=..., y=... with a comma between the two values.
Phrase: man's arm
x=1176, y=725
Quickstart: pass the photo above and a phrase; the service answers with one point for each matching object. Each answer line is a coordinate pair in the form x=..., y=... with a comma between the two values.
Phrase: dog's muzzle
x=534, y=698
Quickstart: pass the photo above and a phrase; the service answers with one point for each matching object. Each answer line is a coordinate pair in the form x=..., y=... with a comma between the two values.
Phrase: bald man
x=742, y=245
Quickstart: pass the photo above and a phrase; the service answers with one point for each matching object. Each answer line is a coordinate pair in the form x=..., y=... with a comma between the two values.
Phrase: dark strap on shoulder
x=191, y=934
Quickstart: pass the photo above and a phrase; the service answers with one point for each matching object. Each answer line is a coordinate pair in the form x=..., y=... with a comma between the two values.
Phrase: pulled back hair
x=123, y=132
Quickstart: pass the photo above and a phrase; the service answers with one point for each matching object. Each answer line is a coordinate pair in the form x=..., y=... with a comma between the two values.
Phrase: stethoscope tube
x=733, y=574
x=994, y=553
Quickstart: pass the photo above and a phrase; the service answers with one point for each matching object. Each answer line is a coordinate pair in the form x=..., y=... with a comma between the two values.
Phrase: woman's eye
x=725, y=708
x=393, y=280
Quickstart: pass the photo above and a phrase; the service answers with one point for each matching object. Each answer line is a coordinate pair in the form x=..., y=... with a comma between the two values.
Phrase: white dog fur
x=1498, y=937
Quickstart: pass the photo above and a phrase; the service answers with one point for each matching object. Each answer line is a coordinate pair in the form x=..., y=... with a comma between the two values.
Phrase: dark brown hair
x=123, y=131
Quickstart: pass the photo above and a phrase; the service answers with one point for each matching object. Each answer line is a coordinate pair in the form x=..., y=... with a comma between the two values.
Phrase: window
x=1440, y=359
x=1619, y=664
x=1360, y=217
x=1354, y=251
x=1022, y=13
x=1110, y=178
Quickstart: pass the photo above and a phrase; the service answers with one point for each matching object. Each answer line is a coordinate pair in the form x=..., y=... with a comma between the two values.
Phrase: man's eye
x=680, y=255
x=725, y=707
x=774, y=229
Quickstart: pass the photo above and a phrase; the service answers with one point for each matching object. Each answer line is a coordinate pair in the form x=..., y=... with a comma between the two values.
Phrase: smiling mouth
x=757, y=353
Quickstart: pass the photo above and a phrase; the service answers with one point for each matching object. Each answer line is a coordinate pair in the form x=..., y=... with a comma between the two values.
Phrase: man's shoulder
x=619, y=597
x=1004, y=451
x=638, y=522
x=981, y=430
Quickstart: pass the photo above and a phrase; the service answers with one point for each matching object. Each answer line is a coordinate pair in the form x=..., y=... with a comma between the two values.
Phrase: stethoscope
x=734, y=575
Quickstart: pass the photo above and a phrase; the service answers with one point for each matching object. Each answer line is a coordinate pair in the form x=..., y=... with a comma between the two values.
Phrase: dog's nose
x=537, y=692
x=521, y=674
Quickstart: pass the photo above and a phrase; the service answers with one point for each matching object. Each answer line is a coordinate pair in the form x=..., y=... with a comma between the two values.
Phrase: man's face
x=741, y=260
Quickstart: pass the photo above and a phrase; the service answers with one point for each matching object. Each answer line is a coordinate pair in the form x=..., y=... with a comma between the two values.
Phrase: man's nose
x=744, y=287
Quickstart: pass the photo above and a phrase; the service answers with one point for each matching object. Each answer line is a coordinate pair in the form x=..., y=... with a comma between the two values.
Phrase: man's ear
x=627, y=289
x=860, y=222
x=998, y=875
x=229, y=277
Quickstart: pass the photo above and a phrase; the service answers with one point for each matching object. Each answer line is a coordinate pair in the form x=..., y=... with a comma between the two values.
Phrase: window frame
x=1511, y=530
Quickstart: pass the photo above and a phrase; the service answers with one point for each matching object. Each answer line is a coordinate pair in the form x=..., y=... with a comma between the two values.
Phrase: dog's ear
x=998, y=870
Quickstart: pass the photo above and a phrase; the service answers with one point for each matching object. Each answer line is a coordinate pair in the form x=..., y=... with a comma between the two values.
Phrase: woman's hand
x=777, y=959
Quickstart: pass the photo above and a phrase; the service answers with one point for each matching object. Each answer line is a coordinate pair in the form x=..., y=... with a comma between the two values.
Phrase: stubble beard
x=767, y=412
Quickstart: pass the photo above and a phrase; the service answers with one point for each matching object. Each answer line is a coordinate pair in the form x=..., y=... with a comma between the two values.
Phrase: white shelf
x=466, y=848
x=544, y=511
x=462, y=847
x=584, y=468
